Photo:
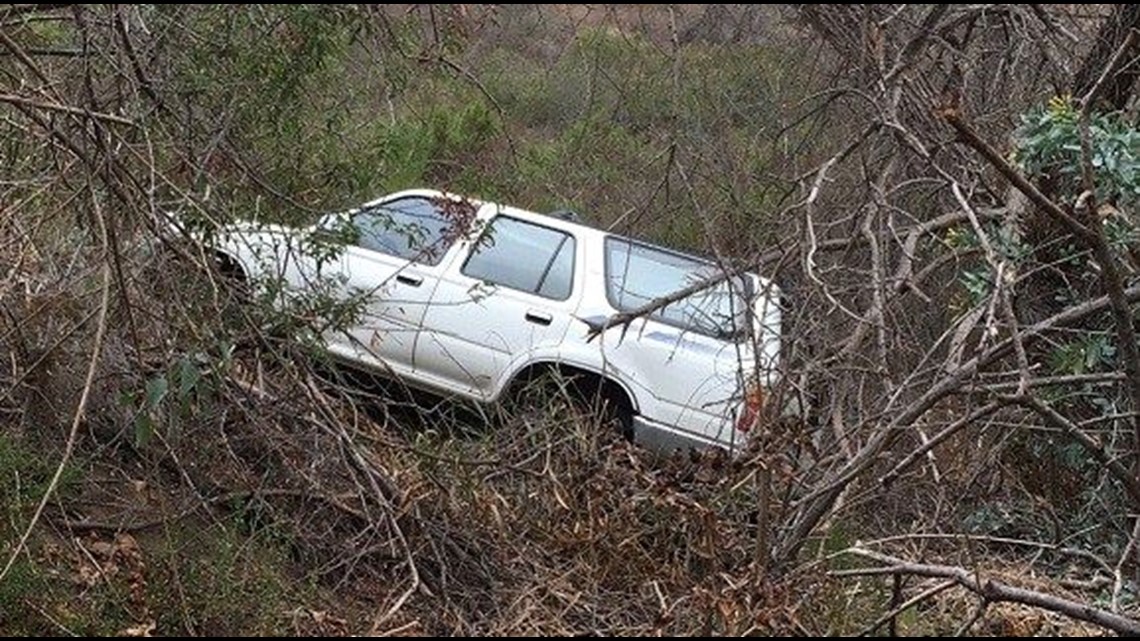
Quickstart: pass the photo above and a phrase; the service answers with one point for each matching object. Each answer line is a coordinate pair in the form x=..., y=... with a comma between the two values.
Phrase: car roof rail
x=567, y=214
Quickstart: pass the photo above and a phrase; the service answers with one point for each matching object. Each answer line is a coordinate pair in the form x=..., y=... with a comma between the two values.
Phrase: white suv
x=468, y=297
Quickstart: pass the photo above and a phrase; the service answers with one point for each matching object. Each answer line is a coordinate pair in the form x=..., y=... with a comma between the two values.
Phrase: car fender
x=556, y=356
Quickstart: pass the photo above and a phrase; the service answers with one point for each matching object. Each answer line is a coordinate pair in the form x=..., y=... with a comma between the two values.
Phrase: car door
x=690, y=358
x=508, y=300
x=395, y=262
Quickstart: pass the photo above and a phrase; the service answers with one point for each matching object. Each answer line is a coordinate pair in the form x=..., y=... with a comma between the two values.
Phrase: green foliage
x=1048, y=144
x=442, y=148
x=186, y=580
x=268, y=76
x=25, y=474
x=1048, y=149
x=595, y=127
x=324, y=108
x=24, y=582
x=976, y=279
x=977, y=282
x=1090, y=352
x=174, y=396
x=241, y=584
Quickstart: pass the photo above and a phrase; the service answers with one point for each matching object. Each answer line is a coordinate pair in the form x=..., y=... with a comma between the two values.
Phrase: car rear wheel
x=553, y=392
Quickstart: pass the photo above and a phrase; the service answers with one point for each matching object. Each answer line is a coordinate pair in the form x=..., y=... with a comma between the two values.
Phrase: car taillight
x=753, y=405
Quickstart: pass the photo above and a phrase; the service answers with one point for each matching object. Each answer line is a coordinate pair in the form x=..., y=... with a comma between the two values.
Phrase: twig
x=17, y=10
x=979, y=611
x=938, y=438
x=993, y=591
x=1092, y=234
x=470, y=77
x=384, y=491
x=22, y=56
x=1051, y=23
x=909, y=51
x=1086, y=440
x=808, y=205
x=66, y=630
x=81, y=406
x=1118, y=571
x=624, y=319
x=994, y=540
x=398, y=629
x=1022, y=184
x=1109, y=69
x=1042, y=381
x=1110, y=275
x=902, y=607
x=67, y=109
x=820, y=501
x=1001, y=285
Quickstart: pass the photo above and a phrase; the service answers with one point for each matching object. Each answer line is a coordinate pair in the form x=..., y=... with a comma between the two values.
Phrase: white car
x=469, y=297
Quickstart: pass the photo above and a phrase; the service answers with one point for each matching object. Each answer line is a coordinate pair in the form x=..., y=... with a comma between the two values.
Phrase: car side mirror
x=335, y=228
x=334, y=220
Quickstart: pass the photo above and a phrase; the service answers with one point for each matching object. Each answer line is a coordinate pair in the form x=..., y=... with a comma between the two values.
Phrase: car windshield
x=637, y=274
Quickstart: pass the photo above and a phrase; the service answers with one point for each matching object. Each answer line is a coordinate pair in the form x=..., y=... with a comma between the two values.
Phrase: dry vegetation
x=961, y=286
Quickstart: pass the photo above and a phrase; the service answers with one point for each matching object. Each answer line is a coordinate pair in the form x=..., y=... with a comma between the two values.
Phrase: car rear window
x=637, y=274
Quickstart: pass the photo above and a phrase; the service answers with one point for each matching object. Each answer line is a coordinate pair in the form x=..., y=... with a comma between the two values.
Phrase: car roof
x=500, y=208
x=578, y=228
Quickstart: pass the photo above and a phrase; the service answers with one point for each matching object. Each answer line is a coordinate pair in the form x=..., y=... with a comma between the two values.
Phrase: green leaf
x=156, y=389
x=144, y=429
x=188, y=377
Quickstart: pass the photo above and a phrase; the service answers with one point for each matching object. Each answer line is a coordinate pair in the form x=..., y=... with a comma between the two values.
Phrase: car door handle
x=539, y=318
x=414, y=281
x=481, y=290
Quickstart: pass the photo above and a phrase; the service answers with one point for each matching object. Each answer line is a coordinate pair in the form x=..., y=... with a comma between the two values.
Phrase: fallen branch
x=993, y=591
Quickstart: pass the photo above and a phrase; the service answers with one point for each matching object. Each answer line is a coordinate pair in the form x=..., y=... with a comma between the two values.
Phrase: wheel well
x=229, y=266
x=586, y=383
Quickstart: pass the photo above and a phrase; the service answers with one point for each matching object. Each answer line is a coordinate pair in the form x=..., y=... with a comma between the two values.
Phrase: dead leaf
x=141, y=630
x=101, y=548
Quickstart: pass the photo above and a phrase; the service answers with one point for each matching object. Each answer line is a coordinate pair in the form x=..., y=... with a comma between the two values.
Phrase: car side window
x=524, y=256
x=413, y=228
x=637, y=274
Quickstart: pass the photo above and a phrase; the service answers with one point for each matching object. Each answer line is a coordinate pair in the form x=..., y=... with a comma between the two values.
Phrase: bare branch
x=820, y=501
x=81, y=406
x=996, y=591
x=969, y=136
x=64, y=108
x=1087, y=441
x=1109, y=69
x=951, y=429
